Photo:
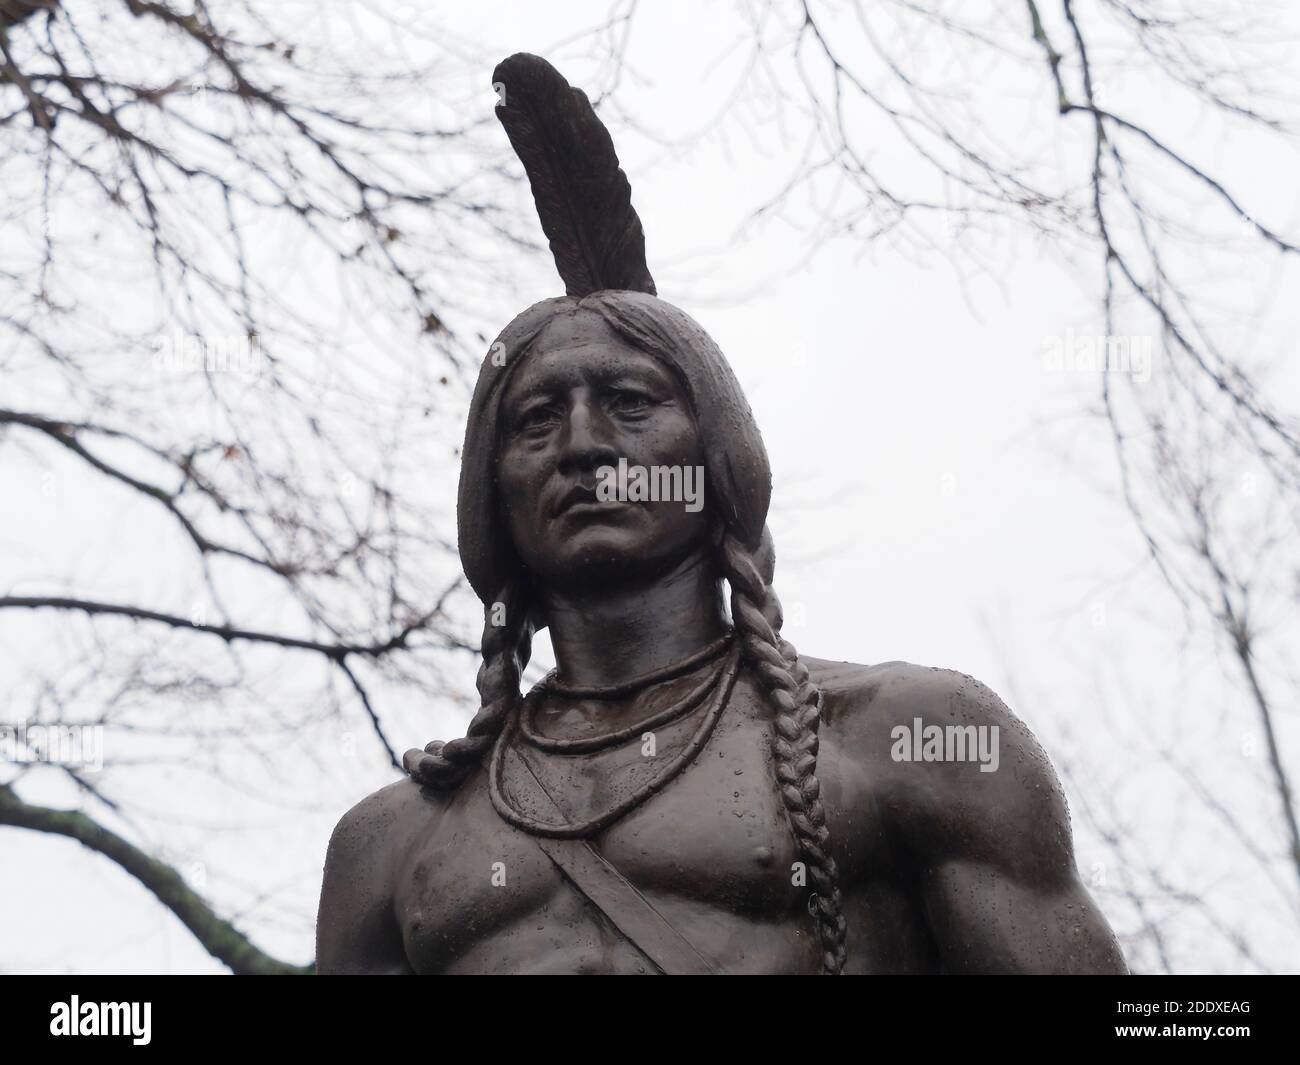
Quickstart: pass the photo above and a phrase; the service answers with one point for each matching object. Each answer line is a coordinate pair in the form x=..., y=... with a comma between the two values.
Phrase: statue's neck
x=609, y=636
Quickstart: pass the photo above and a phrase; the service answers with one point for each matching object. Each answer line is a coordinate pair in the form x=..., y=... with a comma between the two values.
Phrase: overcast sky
x=940, y=498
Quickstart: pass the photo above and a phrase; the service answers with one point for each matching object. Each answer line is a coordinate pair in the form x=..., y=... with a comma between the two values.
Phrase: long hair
x=739, y=488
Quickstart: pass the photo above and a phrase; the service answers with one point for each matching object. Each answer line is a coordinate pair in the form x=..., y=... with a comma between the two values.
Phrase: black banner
x=169, y=1013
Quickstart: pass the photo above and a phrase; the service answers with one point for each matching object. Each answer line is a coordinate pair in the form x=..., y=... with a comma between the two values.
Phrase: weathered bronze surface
x=686, y=793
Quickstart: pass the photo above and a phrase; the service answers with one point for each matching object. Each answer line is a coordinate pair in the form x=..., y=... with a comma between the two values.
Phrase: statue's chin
x=594, y=570
x=592, y=564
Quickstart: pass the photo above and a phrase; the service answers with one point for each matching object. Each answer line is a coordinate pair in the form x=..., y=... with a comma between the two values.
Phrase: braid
x=506, y=650
x=756, y=612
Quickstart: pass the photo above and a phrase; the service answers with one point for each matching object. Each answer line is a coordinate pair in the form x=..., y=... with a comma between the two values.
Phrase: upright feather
x=583, y=199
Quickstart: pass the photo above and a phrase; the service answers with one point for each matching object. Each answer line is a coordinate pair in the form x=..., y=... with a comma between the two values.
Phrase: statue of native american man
x=685, y=792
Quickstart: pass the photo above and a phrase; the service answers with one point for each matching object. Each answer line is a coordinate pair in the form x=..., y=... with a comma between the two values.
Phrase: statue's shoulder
x=356, y=930
x=373, y=834
x=385, y=818
x=940, y=749
x=893, y=714
x=892, y=693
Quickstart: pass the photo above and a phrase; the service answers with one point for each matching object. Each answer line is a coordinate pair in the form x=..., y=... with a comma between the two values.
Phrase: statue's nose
x=587, y=440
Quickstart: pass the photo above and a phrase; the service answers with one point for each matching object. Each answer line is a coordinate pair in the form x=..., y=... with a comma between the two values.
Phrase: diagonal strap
x=627, y=909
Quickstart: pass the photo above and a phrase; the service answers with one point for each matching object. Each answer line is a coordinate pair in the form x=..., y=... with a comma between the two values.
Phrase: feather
x=583, y=199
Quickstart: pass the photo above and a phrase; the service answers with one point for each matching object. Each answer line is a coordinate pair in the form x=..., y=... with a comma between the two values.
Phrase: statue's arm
x=356, y=925
x=992, y=849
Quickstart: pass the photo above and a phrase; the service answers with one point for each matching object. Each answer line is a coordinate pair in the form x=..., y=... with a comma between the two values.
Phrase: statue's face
x=584, y=399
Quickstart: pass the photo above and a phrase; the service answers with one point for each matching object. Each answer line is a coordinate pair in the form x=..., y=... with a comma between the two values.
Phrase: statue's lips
x=592, y=506
x=581, y=498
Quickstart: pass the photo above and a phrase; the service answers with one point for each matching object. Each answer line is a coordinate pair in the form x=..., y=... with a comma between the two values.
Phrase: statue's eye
x=536, y=419
x=629, y=402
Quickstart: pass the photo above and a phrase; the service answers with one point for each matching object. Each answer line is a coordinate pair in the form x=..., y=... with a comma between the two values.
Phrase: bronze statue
x=685, y=792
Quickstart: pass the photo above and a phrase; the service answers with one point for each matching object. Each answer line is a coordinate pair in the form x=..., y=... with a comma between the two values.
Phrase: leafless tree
x=1106, y=130
x=245, y=249
x=231, y=254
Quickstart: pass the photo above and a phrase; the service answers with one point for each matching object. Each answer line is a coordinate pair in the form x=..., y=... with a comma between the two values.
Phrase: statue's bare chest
x=712, y=851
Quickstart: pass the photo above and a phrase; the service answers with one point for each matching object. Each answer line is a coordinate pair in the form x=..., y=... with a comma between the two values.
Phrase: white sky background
x=938, y=498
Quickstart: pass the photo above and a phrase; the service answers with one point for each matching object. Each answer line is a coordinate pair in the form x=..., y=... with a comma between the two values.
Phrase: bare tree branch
x=219, y=937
